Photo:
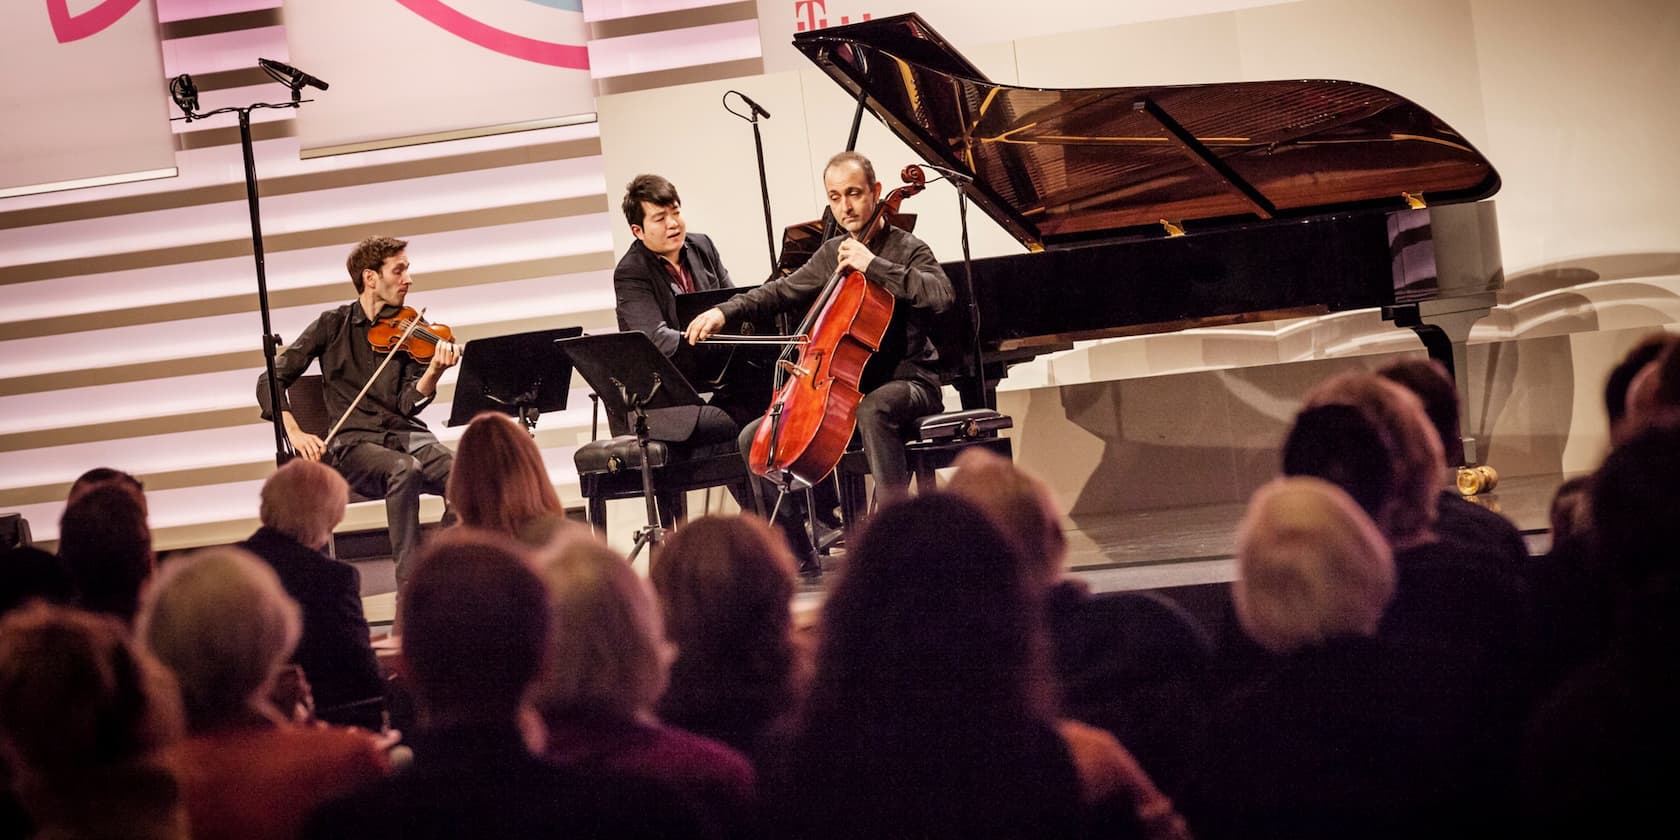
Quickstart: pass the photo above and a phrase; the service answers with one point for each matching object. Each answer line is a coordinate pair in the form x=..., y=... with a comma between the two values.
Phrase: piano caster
x=1477, y=479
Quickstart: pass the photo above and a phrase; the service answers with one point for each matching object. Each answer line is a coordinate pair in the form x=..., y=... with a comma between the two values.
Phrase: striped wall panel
x=129, y=331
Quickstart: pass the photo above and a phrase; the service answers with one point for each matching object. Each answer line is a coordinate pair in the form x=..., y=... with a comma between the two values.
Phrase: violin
x=809, y=424
x=408, y=330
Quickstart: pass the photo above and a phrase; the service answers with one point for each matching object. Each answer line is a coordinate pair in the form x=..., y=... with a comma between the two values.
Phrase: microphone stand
x=980, y=395
x=270, y=342
x=763, y=182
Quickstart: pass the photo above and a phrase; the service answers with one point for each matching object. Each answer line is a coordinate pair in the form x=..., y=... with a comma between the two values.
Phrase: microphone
x=751, y=104
x=297, y=78
x=185, y=94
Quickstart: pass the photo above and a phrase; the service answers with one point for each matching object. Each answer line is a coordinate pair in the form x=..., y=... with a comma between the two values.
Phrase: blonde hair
x=606, y=643
x=498, y=482
x=1311, y=566
x=1417, y=459
x=304, y=500
x=1019, y=503
x=220, y=620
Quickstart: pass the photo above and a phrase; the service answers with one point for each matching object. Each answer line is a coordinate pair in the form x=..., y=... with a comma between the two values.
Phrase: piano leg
x=1444, y=327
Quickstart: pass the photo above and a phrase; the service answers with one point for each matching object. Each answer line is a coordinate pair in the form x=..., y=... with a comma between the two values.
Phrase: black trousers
x=407, y=465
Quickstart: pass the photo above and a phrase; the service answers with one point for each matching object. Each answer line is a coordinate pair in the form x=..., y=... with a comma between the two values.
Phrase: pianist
x=901, y=382
x=664, y=261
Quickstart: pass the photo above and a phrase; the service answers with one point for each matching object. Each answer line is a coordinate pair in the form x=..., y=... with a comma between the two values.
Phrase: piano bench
x=612, y=469
x=934, y=444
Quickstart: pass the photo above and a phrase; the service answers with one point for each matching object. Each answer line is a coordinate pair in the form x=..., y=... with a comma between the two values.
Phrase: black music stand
x=632, y=377
x=520, y=375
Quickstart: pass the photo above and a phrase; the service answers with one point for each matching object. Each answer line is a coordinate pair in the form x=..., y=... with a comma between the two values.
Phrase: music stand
x=521, y=375
x=632, y=377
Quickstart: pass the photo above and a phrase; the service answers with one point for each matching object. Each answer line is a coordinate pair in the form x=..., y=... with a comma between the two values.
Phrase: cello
x=808, y=425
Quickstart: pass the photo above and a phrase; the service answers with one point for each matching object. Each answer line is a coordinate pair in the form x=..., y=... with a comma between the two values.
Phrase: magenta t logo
x=68, y=27
x=468, y=28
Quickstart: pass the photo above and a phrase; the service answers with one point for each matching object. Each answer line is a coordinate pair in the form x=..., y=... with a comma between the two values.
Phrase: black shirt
x=339, y=339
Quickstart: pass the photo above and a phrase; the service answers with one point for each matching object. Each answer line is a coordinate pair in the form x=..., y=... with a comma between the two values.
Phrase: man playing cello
x=382, y=448
x=901, y=381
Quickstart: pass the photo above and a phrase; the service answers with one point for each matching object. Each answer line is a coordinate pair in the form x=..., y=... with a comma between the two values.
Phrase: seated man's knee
x=404, y=470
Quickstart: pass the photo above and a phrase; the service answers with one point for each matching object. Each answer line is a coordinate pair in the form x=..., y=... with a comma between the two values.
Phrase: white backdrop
x=403, y=69
x=84, y=96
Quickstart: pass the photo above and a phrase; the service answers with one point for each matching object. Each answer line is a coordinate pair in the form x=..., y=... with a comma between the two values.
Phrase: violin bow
x=369, y=383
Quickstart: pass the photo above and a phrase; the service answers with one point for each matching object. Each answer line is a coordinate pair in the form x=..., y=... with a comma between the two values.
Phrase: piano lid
x=1060, y=167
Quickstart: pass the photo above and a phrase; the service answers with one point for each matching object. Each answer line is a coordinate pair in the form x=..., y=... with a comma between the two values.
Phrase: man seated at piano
x=901, y=381
x=667, y=260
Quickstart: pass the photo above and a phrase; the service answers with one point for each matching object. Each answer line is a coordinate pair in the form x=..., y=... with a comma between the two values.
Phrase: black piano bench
x=612, y=469
x=933, y=444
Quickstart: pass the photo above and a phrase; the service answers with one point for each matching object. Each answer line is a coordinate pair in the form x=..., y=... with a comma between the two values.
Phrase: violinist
x=382, y=448
x=901, y=381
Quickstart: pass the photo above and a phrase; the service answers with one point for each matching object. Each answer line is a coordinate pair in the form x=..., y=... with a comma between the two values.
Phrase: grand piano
x=1154, y=209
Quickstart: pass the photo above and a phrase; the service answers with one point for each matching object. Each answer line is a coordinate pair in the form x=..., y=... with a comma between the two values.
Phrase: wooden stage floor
x=1156, y=549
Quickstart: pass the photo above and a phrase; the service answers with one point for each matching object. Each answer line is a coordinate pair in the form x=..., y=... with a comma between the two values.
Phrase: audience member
x=476, y=619
x=931, y=710
x=608, y=661
x=1596, y=752
x=220, y=620
x=1133, y=663
x=104, y=540
x=83, y=715
x=1620, y=379
x=725, y=587
x=1470, y=528
x=301, y=504
x=1338, y=737
x=27, y=574
x=1469, y=625
x=499, y=483
x=1653, y=397
x=103, y=476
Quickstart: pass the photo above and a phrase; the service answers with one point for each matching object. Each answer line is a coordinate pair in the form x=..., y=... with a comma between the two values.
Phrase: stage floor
x=1154, y=549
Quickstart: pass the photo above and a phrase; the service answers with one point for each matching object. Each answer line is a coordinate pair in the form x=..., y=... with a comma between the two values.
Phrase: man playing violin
x=667, y=260
x=901, y=381
x=382, y=448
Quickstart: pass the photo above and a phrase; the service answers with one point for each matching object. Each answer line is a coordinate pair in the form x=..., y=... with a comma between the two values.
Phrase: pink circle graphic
x=453, y=21
x=68, y=27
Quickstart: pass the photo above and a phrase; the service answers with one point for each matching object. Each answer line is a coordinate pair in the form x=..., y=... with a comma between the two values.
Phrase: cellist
x=901, y=381
x=383, y=448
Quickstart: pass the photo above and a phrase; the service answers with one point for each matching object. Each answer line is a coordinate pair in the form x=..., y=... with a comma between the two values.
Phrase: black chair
x=611, y=468
x=309, y=408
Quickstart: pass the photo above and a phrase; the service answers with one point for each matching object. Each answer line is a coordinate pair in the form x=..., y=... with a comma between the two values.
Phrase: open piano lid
x=1063, y=167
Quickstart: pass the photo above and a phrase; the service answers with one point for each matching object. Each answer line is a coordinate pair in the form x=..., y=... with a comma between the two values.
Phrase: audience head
x=474, y=615
x=1570, y=514
x=1430, y=382
x=1618, y=383
x=1635, y=510
x=607, y=652
x=221, y=621
x=27, y=574
x=1653, y=397
x=725, y=585
x=1404, y=506
x=499, y=482
x=1020, y=503
x=304, y=500
x=1311, y=566
x=75, y=694
x=104, y=540
x=101, y=476
x=934, y=621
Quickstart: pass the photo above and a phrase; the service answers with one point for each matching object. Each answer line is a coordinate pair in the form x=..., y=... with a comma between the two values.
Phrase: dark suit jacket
x=481, y=782
x=335, y=651
x=645, y=303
